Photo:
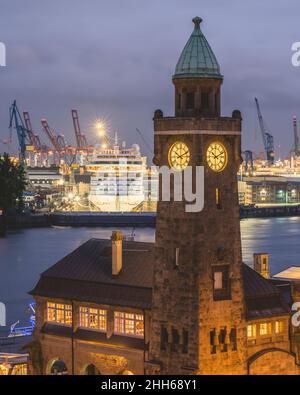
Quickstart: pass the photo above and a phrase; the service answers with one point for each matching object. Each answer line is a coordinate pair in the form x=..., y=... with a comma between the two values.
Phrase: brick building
x=185, y=304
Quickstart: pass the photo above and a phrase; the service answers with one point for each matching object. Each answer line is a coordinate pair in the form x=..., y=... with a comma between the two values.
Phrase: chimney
x=117, y=250
x=261, y=264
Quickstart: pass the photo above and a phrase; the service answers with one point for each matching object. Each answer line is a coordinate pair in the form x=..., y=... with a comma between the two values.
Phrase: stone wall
x=107, y=358
x=274, y=362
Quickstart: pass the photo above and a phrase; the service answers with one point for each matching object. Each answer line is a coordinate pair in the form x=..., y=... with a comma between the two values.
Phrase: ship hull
x=115, y=204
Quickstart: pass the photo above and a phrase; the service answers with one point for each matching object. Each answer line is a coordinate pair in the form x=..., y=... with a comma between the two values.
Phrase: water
x=25, y=254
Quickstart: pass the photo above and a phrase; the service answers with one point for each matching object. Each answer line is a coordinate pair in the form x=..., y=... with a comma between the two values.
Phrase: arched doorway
x=58, y=368
x=91, y=370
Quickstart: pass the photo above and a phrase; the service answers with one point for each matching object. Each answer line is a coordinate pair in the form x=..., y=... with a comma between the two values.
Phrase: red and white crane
x=57, y=140
x=80, y=137
x=33, y=138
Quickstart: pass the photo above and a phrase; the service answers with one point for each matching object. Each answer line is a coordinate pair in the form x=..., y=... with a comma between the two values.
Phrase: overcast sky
x=115, y=59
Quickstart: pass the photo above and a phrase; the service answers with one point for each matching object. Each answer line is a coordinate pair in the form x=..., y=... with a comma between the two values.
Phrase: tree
x=12, y=184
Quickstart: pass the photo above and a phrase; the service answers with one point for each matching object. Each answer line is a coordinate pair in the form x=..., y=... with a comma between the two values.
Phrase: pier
x=146, y=219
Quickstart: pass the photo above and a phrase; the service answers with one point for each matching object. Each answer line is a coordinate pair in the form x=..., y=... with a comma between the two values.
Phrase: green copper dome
x=197, y=58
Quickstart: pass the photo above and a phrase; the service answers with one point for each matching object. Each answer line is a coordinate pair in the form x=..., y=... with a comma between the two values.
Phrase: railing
x=21, y=331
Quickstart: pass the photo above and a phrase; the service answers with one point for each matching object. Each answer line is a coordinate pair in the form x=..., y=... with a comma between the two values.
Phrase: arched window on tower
x=205, y=100
x=190, y=100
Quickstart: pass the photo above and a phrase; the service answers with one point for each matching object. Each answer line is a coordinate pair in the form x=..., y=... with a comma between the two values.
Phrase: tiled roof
x=91, y=262
x=262, y=297
x=85, y=275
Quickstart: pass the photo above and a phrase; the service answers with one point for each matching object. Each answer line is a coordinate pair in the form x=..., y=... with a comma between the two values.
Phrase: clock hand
x=219, y=155
x=180, y=156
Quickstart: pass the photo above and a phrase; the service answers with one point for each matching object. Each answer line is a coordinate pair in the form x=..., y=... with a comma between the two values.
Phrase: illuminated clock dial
x=179, y=156
x=216, y=156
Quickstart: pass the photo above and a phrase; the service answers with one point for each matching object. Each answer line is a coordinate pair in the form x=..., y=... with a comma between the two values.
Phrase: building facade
x=187, y=304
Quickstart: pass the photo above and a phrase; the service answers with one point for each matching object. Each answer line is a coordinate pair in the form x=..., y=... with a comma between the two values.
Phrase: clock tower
x=198, y=314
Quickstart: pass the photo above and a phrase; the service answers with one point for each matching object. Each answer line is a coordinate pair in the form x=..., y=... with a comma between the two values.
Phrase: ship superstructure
x=117, y=175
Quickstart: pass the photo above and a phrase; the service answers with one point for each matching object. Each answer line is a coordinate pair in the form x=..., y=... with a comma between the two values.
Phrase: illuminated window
x=93, y=318
x=129, y=324
x=265, y=328
x=278, y=327
x=59, y=313
x=251, y=331
x=4, y=370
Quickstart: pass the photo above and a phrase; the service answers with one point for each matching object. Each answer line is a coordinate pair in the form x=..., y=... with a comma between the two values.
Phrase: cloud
x=116, y=58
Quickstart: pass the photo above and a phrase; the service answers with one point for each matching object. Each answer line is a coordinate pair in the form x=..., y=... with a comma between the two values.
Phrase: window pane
x=265, y=328
x=251, y=331
x=59, y=313
x=102, y=320
x=68, y=319
x=278, y=326
x=93, y=318
x=218, y=280
x=51, y=315
x=129, y=324
x=119, y=322
x=140, y=328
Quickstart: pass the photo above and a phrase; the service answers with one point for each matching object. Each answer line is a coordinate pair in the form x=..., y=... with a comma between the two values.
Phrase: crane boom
x=268, y=139
x=57, y=141
x=80, y=137
x=34, y=138
x=16, y=120
x=145, y=141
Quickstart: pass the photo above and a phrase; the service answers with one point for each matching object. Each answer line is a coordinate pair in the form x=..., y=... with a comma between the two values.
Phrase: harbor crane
x=57, y=141
x=296, y=148
x=268, y=139
x=248, y=161
x=64, y=151
x=80, y=137
x=145, y=141
x=16, y=122
x=34, y=138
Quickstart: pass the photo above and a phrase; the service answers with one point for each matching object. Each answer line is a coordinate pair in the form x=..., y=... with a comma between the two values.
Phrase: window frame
x=123, y=323
x=223, y=293
x=85, y=317
x=253, y=331
x=67, y=310
x=268, y=328
x=190, y=100
x=205, y=100
x=280, y=324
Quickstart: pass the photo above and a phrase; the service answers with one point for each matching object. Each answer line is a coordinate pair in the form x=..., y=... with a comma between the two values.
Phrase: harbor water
x=24, y=254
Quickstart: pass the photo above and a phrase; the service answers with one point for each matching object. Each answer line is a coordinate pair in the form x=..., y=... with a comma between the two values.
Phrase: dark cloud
x=116, y=58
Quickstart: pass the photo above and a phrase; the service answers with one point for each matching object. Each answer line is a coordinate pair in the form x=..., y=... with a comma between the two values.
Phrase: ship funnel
x=117, y=251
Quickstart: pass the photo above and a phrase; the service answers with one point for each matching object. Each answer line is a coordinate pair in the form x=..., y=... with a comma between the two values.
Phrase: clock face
x=216, y=156
x=179, y=156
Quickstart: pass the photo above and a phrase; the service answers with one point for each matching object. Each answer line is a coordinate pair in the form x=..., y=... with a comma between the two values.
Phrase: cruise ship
x=117, y=178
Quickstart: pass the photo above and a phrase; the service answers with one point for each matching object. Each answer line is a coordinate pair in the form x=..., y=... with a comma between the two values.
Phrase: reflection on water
x=25, y=254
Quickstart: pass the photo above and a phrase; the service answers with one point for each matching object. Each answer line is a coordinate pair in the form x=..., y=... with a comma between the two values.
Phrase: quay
x=146, y=219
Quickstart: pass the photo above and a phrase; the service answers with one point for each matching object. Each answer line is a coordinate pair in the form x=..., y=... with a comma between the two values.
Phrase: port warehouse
x=269, y=190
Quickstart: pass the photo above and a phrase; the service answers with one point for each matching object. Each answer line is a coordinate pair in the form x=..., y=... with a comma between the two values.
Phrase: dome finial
x=197, y=20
